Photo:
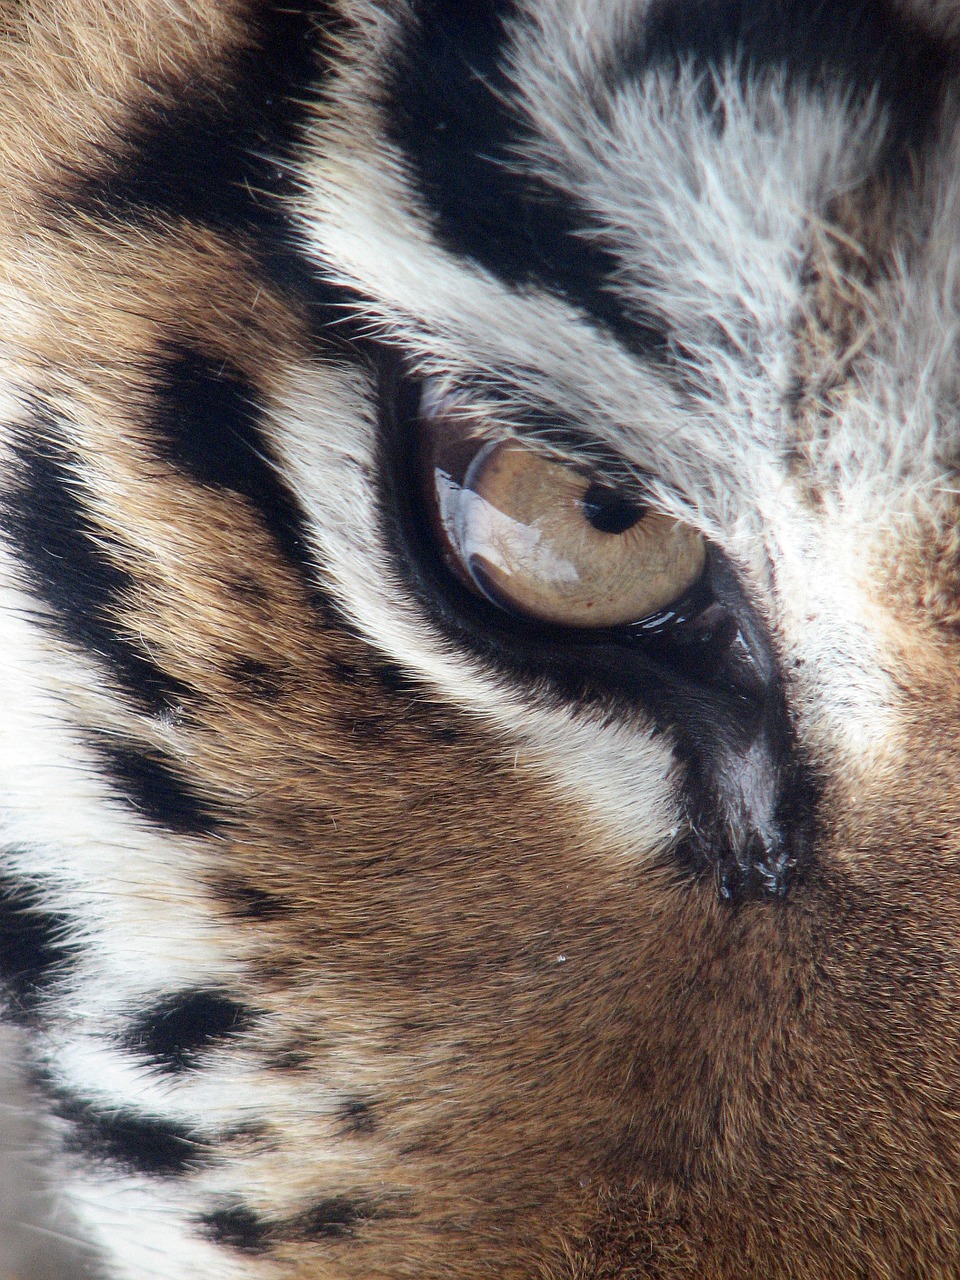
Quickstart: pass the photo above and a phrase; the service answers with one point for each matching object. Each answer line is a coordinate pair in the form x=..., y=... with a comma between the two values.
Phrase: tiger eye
x=547, y=541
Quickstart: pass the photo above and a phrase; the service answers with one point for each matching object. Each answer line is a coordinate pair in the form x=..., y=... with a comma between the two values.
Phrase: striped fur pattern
x=358, y=928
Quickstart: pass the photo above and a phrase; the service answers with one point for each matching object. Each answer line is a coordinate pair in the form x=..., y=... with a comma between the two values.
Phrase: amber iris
x=546, y=540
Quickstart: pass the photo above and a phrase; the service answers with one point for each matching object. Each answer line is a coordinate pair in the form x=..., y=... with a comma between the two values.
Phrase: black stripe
x=447, y=110
x=869, y=47
x=147, y=1145
x=33, y=945
x=221, y=155
x=152, y=784
x=239, y=1228
x=72, y=565
x=249, y=901
x=267, y=682
x=290, y=1060
x=175, y=1032
x=359, y=1117
x=207, y=422
x=394, y=679
x=328, y=1220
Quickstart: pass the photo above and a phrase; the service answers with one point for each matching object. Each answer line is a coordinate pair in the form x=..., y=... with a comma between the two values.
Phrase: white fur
x=722, y=223
x=711, y=230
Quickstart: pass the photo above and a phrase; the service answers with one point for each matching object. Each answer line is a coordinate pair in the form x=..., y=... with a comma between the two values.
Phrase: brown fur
x=570, y=1070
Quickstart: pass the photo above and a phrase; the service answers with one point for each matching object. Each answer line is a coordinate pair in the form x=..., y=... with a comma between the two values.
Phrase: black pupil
x=609, y=511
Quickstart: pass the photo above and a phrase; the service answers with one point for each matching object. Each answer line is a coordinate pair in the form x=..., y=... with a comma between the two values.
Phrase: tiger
x=479, y=624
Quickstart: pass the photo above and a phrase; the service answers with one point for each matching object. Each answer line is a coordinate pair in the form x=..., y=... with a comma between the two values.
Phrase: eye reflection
x=544, y=540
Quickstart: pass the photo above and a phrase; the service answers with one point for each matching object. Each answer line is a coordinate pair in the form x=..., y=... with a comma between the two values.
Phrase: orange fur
x=580, y=1071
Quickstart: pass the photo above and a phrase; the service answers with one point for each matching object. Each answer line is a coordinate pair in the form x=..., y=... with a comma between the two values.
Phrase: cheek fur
x=351, y=926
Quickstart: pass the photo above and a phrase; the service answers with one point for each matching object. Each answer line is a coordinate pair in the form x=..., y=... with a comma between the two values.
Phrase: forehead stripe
x=448, y=112
x=870, y=47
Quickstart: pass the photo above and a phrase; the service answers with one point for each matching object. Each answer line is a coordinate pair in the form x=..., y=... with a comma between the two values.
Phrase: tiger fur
x=357, y=927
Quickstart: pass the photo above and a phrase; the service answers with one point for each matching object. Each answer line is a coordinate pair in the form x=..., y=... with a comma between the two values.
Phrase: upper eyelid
x=548, y=430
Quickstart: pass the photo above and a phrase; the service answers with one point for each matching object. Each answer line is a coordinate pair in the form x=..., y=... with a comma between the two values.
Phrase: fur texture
x=357, y=927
